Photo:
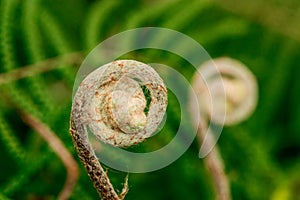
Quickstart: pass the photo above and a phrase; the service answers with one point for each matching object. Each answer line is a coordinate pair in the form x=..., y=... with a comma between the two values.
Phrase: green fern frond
x=11, y=142
x=138, y=18
x=95, y=20
x=260, y=154
x=9, y=58
x=278, y=78
x=186, y=14
x=23, y=175
x=7, y=12
x=221, y=30
x=2, y=197
x=80, y=192
x=36, y=84
x=59, y=41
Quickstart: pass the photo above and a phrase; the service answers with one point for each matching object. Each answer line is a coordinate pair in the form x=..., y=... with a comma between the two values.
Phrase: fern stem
x=215, y=165
x=50, y=64
x=58, y=147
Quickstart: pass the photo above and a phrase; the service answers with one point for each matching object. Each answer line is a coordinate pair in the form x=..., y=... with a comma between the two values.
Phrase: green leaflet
x=36, y=52
x=99, y=12
x=57, y=36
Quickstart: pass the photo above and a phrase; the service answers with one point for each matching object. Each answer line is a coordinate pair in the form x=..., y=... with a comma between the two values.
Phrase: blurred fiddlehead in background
x=225, y=100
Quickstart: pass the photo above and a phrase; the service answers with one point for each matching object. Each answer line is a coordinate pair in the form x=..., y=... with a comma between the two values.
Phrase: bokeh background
x=261, y=154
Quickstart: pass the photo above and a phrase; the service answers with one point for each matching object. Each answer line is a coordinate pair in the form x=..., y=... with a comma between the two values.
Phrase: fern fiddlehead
x=225, y=100
x=240, y=91
x=111, y=103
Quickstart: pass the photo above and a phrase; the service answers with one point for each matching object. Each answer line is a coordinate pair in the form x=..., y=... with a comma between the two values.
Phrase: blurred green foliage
x=261, y=155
